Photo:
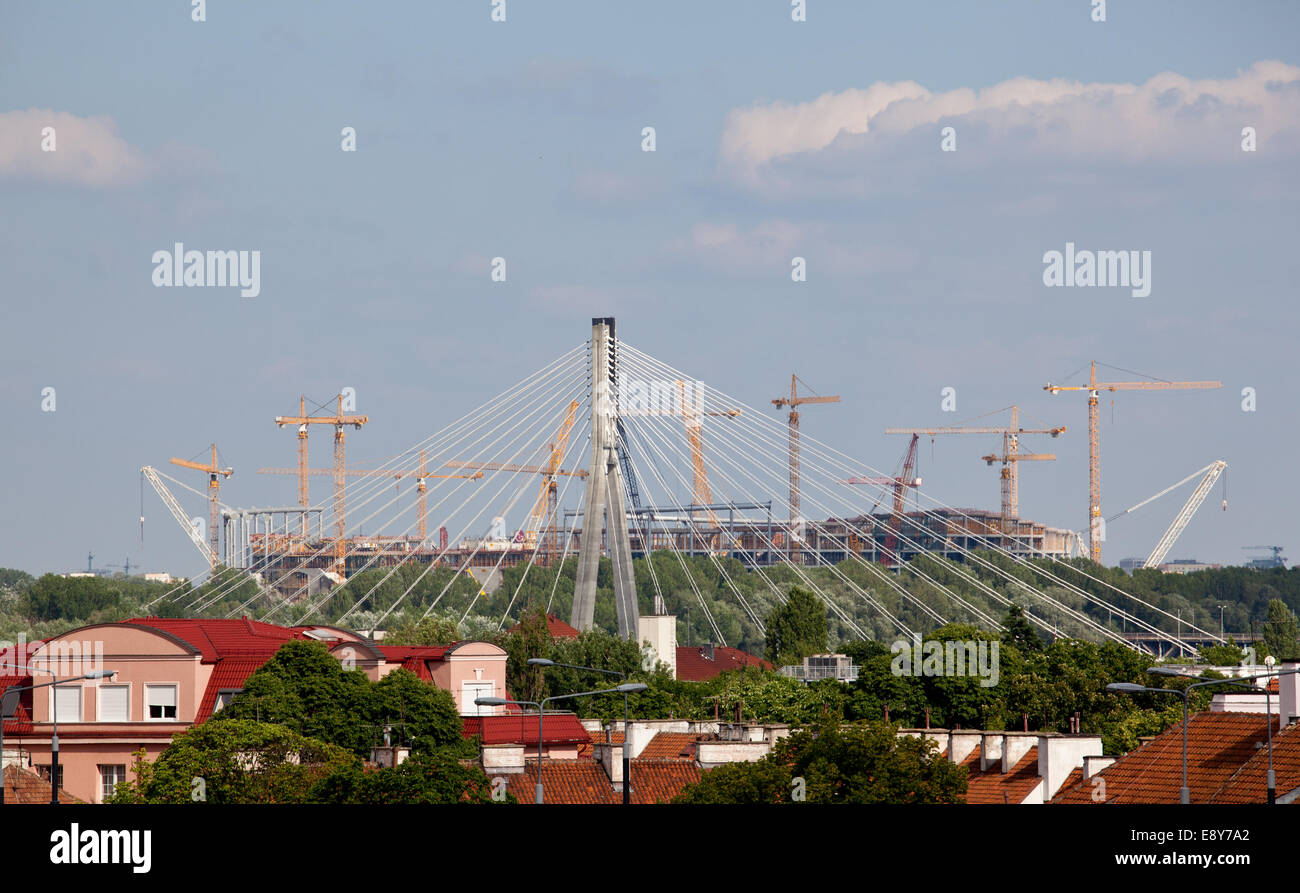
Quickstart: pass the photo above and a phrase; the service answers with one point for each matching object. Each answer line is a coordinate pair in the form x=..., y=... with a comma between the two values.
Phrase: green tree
x=429, y=631
x=305, y=688
x=237, y=761
x=835, y=763
x=1018, y=631
x=796, y=629
x=1282, y=631
x=422, y=778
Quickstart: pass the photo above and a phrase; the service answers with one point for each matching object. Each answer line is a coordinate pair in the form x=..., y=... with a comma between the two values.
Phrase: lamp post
x=1271, y=778
x=627, y=762
x=625, y=688
x=1184, y=794
x=9, y=703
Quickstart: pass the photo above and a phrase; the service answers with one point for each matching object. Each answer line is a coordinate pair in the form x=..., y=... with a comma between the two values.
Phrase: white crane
x=1210, y=474
x=155, y=479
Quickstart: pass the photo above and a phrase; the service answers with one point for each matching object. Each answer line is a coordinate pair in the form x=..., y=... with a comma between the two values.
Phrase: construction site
x=670, y=466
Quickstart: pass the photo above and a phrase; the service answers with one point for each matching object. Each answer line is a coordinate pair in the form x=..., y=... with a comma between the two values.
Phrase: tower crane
x=1094, y=387
x=214, y=473
x=1010, y=457
x=420, y=474
x=545, y=506
x=339, y=421
x=900, y=483
x=794, y=401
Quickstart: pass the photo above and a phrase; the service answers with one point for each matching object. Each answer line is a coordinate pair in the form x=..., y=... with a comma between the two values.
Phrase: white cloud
x=88, y=151
x=1169, y=118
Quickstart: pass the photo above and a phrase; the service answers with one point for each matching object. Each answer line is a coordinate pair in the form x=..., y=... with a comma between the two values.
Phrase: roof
x=25, y=786
x=995, y=786
x=229, y=674
x=694, y=664
x=557, y=628
x=221, y=638
x=558, y=728
x=1249, y=783
x=585, y=782
x=671, y=746
x=1218, y=746
x=21, y=724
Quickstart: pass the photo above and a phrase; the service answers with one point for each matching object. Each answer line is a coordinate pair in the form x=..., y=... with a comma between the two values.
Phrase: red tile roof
x=557, y=627
x=694, y=665
x=24, y=786
x=585, y=782
x=1218, y=745
x=221, y=638
x=995, y=786
x=559, y=728
x=230, y=673
x=671, y=746
x=21, y=724
x=1249, y=783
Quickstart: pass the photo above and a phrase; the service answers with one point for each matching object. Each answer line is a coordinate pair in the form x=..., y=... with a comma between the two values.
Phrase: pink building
x=172, y=674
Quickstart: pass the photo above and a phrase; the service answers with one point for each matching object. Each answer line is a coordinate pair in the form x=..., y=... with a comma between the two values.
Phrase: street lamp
x=541, y=713
x=9, y=704
x=1268, y=713
x=627, y=763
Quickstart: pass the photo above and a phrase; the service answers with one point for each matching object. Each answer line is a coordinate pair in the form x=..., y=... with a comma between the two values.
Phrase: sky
x=523, y=139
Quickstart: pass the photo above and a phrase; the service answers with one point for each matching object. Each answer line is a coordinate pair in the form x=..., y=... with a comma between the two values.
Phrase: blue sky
x=522, y=139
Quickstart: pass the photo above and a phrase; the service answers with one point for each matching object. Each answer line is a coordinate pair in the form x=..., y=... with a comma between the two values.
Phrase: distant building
x=696, y=663
x=1186, y=566
x=823, y=666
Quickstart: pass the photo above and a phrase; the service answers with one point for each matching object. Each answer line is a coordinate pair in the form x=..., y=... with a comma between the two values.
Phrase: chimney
x=1094, y=764
x=962, y=744
x=1059, y=755
x=991, y=750
x=1014, y=747
x=502, y=759
x=1288, y=694
x=637, y=736
x=610, y=757
x=707, y=651
x=388, y=756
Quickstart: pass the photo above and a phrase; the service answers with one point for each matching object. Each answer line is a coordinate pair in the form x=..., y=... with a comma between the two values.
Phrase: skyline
x=524, y=140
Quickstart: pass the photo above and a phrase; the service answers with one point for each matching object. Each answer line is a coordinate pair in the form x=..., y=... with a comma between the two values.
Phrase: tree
x=429, y=631
x=236, y=761
x=422, y=778
x=305, y=688
x=1282, y=631
x=797, y=628
x=1018, y=631
x=834, y=763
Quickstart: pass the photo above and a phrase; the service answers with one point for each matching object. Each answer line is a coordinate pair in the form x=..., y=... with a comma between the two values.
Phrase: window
x=67, y=705
x=114, y=703
x=109, y=778
x=471, y=690
x=160, y=702
x=44, y=771
x=224, y=697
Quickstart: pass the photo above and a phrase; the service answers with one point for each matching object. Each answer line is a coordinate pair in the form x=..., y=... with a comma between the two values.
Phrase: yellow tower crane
x=215, y=473
x=420, y=474
x=794, y=401
x=338, y=420
x=1010, y=456
x=1094, y=387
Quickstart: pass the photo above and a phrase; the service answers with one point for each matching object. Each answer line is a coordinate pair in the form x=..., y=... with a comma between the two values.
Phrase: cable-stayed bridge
x=609, y=473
